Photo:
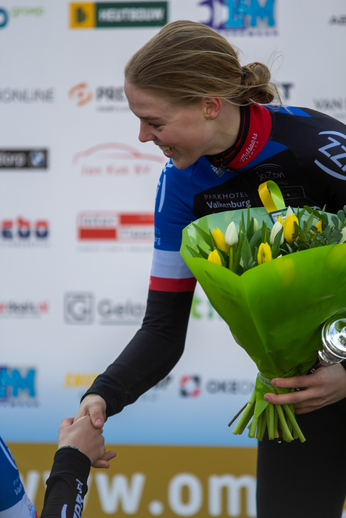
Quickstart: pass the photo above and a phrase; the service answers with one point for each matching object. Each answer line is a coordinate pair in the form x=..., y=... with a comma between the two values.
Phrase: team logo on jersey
x=335, y=151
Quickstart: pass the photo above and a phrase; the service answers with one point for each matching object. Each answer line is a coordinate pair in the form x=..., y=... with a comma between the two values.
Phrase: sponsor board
x=338, y=19
x=20, y=159
x=19, y=12
x=333, y=106
x=113, y=15
x=161, y=481
x=241, y=17
x=23, y=309
x=118, y=232
x=81, y=308
x=18, y=386
x=27, y=95
x=81, y=381
x=103, y=98
x=21, y=232
x=115, y=160
x=192, y=386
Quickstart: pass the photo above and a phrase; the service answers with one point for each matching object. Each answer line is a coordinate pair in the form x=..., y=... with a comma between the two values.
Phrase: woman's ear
x=211, y=107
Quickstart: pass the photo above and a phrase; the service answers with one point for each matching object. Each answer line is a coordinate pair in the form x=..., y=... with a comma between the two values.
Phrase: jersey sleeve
x=14, y=503
x=159, y=344
x=66, y=485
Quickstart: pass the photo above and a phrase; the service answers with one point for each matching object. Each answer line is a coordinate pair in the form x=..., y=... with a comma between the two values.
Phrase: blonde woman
x=214, y=121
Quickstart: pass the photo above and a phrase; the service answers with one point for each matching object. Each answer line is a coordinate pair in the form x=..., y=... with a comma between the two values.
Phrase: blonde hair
x=186, y=60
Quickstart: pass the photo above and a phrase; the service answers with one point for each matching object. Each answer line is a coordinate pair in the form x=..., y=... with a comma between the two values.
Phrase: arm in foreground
x=67, y=483
x=148, y=358
x=325, y=386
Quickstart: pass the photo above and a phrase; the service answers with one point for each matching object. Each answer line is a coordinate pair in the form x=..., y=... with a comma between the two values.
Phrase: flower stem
x=285, y=430
x=231, y=258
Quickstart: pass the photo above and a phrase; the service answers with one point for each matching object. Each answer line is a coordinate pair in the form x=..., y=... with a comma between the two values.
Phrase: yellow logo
x=82, y=15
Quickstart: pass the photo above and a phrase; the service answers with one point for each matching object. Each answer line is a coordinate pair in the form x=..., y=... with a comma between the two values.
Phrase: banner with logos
x=77, y=193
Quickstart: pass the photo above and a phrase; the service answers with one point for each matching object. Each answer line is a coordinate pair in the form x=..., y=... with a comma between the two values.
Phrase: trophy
x=333, y=343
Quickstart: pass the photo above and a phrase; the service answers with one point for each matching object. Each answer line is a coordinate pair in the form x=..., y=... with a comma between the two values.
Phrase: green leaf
x=256, y=240
x=250, y=230
x=341, y=216
x=246, y=254
x=202, y=252
x=236, y=264
x=223, y=257
x=203, y=234
x=276, y=244
x=193, y=252
x=336, y=221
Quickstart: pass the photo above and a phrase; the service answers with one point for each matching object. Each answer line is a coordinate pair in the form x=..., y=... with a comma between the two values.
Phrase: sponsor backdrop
x=76, y=233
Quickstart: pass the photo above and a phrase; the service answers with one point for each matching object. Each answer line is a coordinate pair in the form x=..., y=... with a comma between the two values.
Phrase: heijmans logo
x=252, y=17
x=18, y=385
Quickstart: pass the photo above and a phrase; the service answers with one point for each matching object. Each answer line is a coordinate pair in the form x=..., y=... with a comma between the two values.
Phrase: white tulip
x=275, y=230
x=231, y=236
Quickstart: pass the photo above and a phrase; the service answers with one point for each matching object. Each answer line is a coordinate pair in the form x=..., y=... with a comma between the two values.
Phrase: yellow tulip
x=289, y=228
x=319, y=226
x=219, y=239
x=214, y=257
x=264, y=253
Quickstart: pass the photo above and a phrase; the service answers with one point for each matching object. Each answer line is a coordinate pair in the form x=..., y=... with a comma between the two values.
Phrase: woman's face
x=183, y=133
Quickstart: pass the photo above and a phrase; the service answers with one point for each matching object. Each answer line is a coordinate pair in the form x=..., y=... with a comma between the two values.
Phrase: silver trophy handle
x=333, y=343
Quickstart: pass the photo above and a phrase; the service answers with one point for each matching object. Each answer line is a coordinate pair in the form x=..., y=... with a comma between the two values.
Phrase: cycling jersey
x=302, y=150
x=66, y=486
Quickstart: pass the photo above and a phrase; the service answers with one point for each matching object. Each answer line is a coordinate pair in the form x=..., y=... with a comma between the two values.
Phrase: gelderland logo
x=18, y=385
x=251, y=16
x=190, y=386
x=79, y=308
x=81, y=94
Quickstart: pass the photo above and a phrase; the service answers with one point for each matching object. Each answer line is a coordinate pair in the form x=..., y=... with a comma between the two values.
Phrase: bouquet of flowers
x=275, y=285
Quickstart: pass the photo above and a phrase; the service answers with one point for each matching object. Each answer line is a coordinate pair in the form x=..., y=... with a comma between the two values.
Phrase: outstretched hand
x=88, y=439
x=94, y=406
x=323, y=387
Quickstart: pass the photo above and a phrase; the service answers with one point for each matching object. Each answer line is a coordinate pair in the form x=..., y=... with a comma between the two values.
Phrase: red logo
x=115, y=160
x=111, y=226
x=24, y=230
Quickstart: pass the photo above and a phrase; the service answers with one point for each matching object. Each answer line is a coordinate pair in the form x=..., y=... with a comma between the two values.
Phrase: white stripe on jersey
x=169, y=265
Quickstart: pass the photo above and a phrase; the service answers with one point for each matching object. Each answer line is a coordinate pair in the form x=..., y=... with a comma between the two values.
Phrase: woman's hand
x=95, y=406
x=323, y=387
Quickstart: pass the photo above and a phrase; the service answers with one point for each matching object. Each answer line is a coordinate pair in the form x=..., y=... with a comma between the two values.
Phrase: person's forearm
x=67, y=484
x=150, y=355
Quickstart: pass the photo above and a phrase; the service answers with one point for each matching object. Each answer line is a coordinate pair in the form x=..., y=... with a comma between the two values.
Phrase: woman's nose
x=145, y=134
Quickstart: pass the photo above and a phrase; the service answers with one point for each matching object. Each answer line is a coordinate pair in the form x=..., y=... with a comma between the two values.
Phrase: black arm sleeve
x=150, y=355
x=67, y=484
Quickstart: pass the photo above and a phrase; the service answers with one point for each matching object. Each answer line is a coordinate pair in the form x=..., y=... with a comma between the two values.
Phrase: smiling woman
x=212, y=119
x=186, y=77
